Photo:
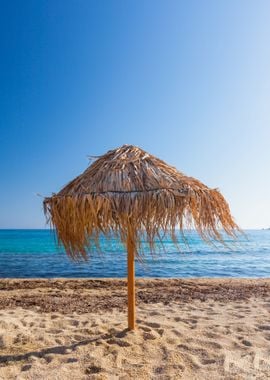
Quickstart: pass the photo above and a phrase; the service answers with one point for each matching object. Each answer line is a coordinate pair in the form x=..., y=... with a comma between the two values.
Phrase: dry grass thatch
x=128, y=189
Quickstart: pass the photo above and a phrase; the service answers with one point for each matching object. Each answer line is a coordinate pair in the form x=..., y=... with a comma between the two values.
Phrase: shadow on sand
x=112, y=338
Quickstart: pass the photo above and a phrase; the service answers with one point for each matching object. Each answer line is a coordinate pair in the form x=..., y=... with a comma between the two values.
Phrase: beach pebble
x=92, y=369
x=26, y=367
x=246, y=343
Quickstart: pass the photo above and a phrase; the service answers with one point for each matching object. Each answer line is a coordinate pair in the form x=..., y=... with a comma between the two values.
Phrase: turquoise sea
x=34, y=253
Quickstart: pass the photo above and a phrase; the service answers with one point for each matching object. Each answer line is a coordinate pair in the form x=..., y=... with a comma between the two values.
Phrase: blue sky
x=187, y=81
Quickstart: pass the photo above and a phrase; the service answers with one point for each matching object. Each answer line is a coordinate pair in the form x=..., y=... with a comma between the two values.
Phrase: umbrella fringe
x=80, y=221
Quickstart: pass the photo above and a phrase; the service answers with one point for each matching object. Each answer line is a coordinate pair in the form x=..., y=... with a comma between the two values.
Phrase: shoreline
x=90, y=295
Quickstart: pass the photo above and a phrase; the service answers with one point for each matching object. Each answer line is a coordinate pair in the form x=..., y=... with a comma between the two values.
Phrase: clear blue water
x=34, y=253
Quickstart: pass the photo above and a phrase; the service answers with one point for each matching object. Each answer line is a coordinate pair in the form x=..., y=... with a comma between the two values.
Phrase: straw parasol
x=134, y=195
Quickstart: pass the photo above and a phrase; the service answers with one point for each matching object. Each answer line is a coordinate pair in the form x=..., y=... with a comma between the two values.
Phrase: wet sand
x=187, y=329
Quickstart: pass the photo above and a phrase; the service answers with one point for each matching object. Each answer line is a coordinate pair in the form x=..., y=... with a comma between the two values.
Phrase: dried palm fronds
x=129, y=189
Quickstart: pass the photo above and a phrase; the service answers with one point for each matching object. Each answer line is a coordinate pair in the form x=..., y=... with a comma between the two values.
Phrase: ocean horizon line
x=176, y=229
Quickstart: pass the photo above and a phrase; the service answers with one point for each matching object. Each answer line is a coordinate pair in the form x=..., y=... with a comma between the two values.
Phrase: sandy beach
x=187, y=329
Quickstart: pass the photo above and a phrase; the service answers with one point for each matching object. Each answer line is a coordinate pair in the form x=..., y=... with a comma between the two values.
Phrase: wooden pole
x=131, y=279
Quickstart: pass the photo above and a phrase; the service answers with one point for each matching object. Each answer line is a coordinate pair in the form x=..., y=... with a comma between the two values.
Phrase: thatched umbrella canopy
x=133, y=194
